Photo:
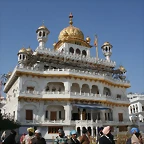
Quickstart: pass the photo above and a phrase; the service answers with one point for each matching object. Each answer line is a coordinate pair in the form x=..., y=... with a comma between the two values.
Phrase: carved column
x=68, y=109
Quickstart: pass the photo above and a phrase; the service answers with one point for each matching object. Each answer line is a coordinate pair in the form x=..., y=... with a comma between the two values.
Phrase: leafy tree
x=7, y=123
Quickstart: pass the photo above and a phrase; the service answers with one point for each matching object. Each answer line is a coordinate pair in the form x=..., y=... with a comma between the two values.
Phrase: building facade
x=64, y=87
x=136, y=110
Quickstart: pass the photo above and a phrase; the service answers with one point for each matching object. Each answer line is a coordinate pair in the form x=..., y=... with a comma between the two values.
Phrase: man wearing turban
x=73, y=139
x=61, y=139
x=29, y=136
x=133, y=131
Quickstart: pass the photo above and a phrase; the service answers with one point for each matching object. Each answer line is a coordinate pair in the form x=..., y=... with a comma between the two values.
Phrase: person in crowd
x=11, y=138
x=38, y=139
x=3, y=136
x=73, y=139
x=136, y=138
x=107, y=137
x=22, y=138
x=132, y=131
x=90, y=137
x=29, y=136
x=100, y=133
x=61, y=139
x=84, y=138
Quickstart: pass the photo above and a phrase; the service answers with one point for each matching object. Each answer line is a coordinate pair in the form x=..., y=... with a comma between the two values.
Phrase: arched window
x=130, y=109
x=43, y=34
x=47, y=88
x=40, y=33
x=53, y=89
x=84, y=53
x=78, y=51
x=71, y=50
x=136, y=108
x=20, y=57
x=133, y=108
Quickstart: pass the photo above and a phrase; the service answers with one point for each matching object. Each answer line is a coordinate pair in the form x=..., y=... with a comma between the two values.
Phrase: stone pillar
x=91, y=115
x=92, y=132
x=101, y=88
x=80, y=130
x=102, y=115
x=67, y=86
x=96, y=132
x=68, y=109
x=81, y=116
x=41, y=112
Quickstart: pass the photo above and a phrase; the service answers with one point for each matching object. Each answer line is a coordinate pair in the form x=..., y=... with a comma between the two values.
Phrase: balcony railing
x=76, y=122
x=72, y=71
x=76, y=57
x=57, y=94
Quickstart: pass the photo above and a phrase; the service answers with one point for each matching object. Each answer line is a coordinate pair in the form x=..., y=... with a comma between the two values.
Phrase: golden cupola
x=122, y=69
x=72, y=35
x=22, y=50
x=29, y=50
x=71, y=31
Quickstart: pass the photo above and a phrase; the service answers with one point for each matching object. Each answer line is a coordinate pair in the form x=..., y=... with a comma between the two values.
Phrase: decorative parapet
x=75, y=57
x=64, y=94
x=72, y=71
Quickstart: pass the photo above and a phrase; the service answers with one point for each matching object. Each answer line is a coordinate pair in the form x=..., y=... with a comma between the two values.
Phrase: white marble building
x=64, y=87
x=136, y=110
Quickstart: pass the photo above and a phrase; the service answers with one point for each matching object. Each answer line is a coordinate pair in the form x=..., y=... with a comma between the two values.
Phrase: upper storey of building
x=135, y=98
x=70, y=55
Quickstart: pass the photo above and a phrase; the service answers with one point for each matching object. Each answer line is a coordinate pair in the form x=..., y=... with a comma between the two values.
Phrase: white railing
x=91, y=74
x=68, y=55
x=76, y=122
x=64, y=94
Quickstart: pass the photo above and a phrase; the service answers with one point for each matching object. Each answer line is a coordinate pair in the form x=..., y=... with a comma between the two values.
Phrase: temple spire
x=70, y=17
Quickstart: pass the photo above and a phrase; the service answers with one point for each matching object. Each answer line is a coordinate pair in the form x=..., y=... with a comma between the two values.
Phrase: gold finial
x=70, y=17
x=88, y=39
x=43, y=22
x=54, y=44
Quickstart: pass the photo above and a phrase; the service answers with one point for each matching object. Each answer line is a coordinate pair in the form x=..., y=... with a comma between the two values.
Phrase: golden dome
x=22, y=50
x=29, y=50
x=88, y=39
x=106, y=44
x=43, y=28
x=71, y=31
x=122, y=69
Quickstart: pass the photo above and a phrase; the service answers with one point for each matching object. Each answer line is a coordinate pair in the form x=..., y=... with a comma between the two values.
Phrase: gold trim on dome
x=75, y=77
x=88, y=39
x=29, y=50
x=106, y=44
x=72, y=35
x=122, y=69
x=74, y=100
x=22, y=50
x=71, y=31
x=43, y=28
x=72, y=41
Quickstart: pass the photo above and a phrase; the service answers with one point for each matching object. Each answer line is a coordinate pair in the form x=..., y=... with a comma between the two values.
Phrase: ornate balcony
x=71, y=72
x=75, y=123
x=74, y=95
x=75, y=57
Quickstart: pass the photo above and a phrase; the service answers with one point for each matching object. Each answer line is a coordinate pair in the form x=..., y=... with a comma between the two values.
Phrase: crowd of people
x=104, y=137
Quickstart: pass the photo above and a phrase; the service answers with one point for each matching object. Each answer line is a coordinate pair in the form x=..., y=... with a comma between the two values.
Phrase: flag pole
x=96, y=46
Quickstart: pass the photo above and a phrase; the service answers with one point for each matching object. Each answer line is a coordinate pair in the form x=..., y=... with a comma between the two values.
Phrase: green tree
x=7, y=123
